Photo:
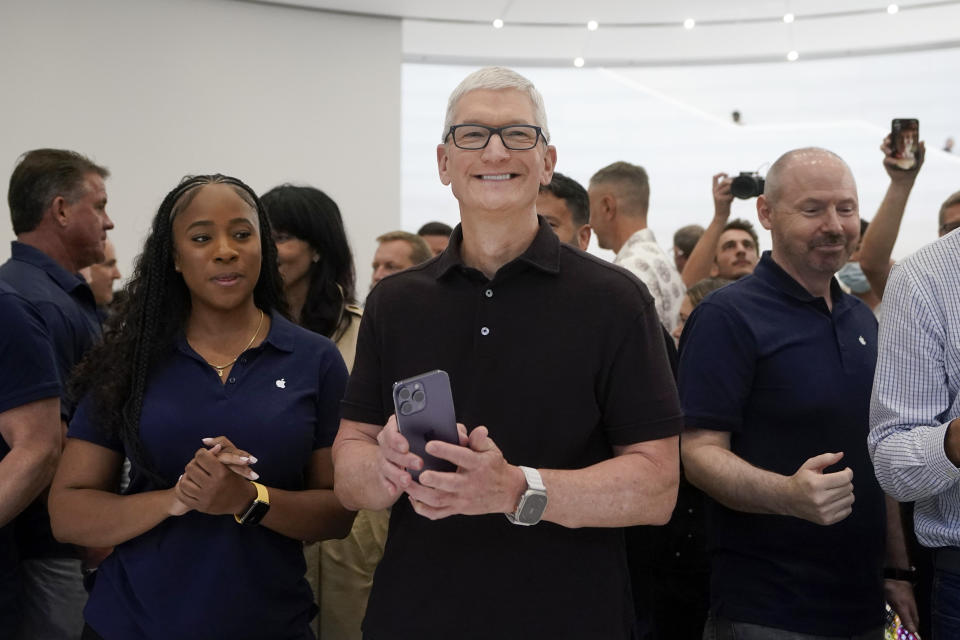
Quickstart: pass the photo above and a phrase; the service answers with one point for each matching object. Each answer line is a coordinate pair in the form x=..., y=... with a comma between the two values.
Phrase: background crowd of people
x=210, y=450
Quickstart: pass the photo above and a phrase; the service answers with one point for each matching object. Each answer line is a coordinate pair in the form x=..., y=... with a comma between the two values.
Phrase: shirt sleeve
x=639, y=393
x=911, y=394
x=333, y=381
x=83, y=427
x=363, y=400
x=717, y=363
x=29, y=370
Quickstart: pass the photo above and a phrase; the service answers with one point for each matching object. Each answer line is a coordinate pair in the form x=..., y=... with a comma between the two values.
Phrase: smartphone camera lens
x=418, y=397
x=404, y=393
x=406, y=408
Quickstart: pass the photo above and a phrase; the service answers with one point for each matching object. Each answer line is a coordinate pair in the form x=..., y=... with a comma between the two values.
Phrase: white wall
x=155, y=89
x=675, y=122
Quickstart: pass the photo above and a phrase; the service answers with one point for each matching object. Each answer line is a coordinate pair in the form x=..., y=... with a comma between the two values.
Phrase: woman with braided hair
x=227, y=412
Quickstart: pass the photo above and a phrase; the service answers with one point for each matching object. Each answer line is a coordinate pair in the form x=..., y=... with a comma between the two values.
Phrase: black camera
x=747, y=185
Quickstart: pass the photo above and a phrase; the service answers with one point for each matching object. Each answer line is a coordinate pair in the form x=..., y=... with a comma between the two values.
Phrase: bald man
x=776, y=371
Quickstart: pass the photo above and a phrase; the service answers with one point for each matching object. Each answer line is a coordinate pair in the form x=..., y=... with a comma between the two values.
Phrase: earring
x=315, y=258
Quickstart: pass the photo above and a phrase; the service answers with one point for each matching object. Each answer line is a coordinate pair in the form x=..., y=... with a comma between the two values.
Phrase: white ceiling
x=648, y=32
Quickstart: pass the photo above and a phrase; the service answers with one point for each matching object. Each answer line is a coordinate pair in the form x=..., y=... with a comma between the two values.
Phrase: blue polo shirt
x=66, y=303
x=203, y=576
x=28, y=374
x=768, y=362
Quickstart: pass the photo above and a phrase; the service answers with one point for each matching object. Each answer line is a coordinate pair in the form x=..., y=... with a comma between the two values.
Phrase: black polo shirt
x=561, y=356
x=66, y=303
x=27, y=374
x=765, y=360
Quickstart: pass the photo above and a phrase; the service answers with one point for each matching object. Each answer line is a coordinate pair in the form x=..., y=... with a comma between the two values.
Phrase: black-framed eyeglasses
x=516, y=137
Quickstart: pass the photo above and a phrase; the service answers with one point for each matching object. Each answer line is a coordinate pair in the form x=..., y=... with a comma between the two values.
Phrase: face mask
x=852, y=275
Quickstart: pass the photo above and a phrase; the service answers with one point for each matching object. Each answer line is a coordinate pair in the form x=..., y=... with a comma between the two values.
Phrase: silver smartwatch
x=533, y=502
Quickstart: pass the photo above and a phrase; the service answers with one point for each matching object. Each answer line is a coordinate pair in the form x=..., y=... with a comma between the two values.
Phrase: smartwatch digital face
x=532, y=508
x=255, y=513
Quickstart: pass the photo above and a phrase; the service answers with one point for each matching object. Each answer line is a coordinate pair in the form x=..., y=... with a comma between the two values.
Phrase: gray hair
x=497, y=78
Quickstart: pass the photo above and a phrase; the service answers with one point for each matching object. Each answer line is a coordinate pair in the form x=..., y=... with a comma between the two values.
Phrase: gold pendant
x=219, y=371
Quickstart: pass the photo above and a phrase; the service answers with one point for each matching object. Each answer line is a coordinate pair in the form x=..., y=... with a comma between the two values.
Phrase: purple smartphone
x=424, y=407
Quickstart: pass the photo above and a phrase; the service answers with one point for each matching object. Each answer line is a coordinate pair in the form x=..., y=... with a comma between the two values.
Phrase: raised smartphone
x=905, y=141
x=424, y=408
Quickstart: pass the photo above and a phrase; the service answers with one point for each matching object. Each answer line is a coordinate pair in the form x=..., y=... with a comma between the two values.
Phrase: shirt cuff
x=936, y=455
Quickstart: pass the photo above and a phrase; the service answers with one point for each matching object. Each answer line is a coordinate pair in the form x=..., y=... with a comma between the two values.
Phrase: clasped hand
x=216, y=480
x=484, y=481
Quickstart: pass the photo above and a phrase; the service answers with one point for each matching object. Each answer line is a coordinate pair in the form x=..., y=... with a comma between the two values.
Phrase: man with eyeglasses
x=556, y=361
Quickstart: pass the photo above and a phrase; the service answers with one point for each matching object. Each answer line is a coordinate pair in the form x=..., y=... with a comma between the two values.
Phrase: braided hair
x=312, y=216
x=156, y=305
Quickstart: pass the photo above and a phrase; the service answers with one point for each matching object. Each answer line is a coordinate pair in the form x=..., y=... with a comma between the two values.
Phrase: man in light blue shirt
x=915, y=431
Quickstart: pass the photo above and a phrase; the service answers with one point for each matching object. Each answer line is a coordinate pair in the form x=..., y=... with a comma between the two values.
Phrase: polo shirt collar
x=543, y=253
x=33, y=256
x=772, y=273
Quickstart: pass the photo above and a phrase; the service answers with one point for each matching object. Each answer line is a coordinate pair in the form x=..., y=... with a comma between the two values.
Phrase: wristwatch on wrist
x=533, y=502
x=257, y=509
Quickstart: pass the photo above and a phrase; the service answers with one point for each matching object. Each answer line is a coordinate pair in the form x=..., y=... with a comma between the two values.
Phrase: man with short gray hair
x=570, y=439
x=619, y=199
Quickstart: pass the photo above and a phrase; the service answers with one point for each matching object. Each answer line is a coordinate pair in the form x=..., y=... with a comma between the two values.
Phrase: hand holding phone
x=905, y=142
x=424, y=409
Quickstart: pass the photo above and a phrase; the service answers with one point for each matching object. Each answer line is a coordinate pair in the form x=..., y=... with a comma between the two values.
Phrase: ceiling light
x=578, y=62
x=788, y=17
x=792, y=56
x=498, y=24
x=892, y=9
x=689, y=23
x=592, y=25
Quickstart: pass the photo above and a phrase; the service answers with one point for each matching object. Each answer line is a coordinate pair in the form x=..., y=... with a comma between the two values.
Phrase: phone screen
x=905, y=141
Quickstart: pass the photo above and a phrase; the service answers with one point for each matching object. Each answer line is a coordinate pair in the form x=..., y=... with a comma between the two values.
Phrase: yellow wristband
x=263, y=497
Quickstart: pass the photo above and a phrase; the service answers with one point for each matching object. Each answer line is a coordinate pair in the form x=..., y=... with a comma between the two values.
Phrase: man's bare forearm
x=733, y=482
x=635, y=487
x=24, y=473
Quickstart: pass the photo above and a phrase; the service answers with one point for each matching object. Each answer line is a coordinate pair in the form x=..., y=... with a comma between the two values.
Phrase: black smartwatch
x=257, y=509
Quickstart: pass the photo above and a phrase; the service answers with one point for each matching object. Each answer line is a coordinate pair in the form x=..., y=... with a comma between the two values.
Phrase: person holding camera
x=775, y=378
x=727, y=249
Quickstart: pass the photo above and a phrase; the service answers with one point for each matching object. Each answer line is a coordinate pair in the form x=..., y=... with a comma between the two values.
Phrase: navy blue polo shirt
x=64, y=300
x=561, y=356
x=68, y=308
x=203, y=576
x=768, y=362
x=28, y=374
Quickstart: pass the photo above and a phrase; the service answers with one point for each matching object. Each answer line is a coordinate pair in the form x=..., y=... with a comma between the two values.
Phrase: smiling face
x=217, y=249
x=736, y=254
x=814, y=219
x=495, y=179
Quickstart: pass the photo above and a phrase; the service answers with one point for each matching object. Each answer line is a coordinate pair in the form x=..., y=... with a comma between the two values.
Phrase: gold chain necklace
x=221, y=367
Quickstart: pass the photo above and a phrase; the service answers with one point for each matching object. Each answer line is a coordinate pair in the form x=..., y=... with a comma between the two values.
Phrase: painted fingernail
x=254, y=475
x=245, y=458
x=253, y=460
x=206, y=440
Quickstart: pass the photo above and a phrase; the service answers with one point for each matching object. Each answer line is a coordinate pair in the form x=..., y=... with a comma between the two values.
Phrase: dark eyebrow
x=207, y=223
